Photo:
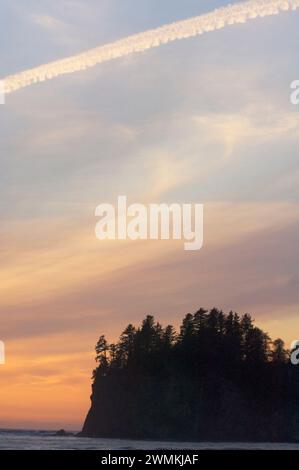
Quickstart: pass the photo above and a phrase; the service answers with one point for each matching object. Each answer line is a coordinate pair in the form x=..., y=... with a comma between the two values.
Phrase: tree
x=279, y=354
x=102, y=349
x=126, y=344
x=187, y=328
x=168, y=337
x=221, y=377
x=199, y=320
x=257, y=346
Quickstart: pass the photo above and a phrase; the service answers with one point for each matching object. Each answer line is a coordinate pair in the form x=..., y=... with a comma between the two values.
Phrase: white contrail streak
x=217, y=19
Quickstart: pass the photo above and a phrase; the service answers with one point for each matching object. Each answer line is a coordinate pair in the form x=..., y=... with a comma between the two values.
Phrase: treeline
x=219, y=378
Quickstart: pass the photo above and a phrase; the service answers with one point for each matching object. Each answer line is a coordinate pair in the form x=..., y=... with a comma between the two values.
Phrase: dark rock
x=63, y=433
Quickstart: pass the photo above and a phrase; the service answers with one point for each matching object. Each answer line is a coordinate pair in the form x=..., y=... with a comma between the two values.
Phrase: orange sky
x=60, y=295
x=206, y=120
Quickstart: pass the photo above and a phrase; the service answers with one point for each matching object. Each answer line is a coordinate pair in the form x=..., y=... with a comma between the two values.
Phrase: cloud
x=142, y=133
x=60, y=289
x=58, y=30
x=220, y=18
x=234, y=129
x=48, y=22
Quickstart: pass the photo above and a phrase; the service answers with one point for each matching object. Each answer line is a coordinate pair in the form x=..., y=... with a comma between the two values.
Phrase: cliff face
x=110, y=413
x=208, y=409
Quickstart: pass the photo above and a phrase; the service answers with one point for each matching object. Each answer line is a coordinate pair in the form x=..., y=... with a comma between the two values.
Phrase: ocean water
x=46, y=440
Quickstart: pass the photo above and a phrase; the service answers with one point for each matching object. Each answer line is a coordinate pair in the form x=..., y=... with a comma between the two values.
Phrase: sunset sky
x=205, y=120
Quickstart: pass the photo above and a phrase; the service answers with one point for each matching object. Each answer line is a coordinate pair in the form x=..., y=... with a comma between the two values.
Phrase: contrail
x=217, y=19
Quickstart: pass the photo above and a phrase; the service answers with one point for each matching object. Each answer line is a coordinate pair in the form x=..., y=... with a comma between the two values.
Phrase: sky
x=205, y=120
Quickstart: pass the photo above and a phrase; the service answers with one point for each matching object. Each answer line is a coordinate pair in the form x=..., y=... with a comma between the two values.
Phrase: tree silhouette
x=220, y=377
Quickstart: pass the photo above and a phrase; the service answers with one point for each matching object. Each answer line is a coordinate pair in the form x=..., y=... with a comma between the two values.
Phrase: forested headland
x=220, y=377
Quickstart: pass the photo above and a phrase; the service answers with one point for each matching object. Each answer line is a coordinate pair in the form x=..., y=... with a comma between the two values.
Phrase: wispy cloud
x=220, y=18
x=48, y=22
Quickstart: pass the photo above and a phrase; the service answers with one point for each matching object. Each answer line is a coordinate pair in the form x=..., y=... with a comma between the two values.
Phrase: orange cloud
x=61, y=288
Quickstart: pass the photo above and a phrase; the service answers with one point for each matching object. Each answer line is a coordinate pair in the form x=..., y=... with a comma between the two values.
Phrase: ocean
x=46, y=440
